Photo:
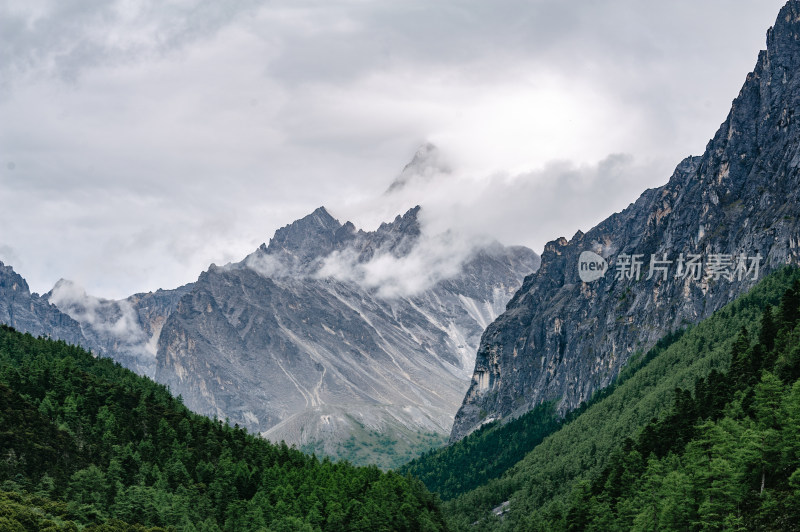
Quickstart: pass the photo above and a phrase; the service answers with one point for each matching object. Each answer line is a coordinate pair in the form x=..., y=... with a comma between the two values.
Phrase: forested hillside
x=565, y=481
x=726, y=457
x=483, y=455
x=86, y=443
x=491, y=450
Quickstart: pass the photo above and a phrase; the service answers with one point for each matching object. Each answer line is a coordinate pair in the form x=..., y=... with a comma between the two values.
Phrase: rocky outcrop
x=563, y=338
x=32, y=313
x=126, y=330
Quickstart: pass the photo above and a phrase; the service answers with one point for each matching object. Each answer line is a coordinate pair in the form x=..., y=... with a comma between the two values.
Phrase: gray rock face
x=295, y=343
x=126, y=330
x=31, y=313
x=561, y=338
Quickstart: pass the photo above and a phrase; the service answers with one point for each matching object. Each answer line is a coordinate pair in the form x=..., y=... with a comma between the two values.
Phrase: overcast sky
x=141, y=141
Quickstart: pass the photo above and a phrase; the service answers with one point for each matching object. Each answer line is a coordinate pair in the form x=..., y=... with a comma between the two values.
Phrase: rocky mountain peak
x=407, y=224
x=11, y=280
x=426, y=163
x=299, y=246
x=783, y=36
x=397, y=237
x=312, y=352
x=65, y=284
x=68, y=296
x=309, y=237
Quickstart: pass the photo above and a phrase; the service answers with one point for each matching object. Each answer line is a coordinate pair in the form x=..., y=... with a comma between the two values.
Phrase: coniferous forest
x=726, y=456
x=86, y=444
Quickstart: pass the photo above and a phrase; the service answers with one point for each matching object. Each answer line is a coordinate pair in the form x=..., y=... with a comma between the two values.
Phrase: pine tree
x=741, y=366
x=769, y=329
x=790, y=307
x=579, y=513
x=677, y=509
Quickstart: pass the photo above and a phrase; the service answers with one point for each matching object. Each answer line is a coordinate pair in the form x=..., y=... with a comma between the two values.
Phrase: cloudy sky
x=142, y=140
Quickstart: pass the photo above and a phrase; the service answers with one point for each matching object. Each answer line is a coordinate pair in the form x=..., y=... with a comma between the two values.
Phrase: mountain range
x=351, y=343
x=299, y=343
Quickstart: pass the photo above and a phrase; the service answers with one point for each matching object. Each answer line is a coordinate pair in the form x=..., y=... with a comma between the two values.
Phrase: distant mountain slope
x=301, y=341
x=561, y=338
x=426, y=165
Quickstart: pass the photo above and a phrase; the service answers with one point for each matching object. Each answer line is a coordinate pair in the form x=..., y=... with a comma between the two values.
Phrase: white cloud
x=432, y=259
x=271, y=266
x=532, y=207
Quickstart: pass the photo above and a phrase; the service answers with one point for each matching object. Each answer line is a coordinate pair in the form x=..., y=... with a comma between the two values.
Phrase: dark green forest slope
x=491, y=450
x=483, y=455
x=85, y=443
x=726, y=457
x=544, y=488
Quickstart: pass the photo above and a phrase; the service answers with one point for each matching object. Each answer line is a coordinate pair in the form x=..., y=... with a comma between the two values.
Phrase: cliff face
x=32, y=313
x=562, y=338
x=292, y=343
